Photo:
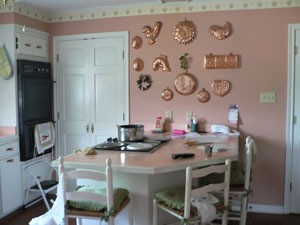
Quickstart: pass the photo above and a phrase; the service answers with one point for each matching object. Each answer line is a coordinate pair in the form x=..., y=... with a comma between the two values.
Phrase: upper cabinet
x=32, y=44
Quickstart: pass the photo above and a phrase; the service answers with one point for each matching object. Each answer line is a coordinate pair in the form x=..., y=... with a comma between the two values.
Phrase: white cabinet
x=32, y=43
x=10, y=178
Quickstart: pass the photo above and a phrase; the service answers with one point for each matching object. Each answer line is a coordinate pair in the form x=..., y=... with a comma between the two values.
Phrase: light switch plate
x=169, y=115
x=267, y=97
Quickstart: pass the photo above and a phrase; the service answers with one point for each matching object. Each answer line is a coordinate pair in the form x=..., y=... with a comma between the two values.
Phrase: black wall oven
x=35, y=102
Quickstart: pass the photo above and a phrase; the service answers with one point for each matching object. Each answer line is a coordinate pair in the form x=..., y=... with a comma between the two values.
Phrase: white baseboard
x=273, y=209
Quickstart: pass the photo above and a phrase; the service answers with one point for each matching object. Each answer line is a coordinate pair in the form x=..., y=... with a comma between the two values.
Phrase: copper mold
x=221, y=61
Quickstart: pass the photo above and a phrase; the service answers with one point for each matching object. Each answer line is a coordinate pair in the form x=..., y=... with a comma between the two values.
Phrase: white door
x=295, y=180
x=92, y=90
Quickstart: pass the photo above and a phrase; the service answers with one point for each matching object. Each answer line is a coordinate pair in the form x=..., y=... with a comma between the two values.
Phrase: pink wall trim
x=260, y=38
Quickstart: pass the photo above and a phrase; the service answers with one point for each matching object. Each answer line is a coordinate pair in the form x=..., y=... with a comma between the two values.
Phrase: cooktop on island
x=147, y=145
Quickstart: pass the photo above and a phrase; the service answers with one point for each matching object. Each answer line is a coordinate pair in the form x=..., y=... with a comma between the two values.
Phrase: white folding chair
x=43, y=185
x=238, y=194
x=183, y=209
x=92, y=201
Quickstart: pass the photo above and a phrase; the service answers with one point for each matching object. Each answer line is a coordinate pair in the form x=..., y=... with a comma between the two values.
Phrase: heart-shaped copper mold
x=220, y=87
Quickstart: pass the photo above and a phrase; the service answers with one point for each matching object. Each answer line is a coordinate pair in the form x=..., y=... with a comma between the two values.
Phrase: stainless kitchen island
x=144, y=174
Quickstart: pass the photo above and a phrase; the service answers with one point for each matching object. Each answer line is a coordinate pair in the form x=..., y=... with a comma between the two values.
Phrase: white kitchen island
x=144, y=174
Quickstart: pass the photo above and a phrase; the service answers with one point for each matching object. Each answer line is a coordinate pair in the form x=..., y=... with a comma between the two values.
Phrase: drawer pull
x=28, y=45
x=39, y=47
x=10, y=161
x=10, y=149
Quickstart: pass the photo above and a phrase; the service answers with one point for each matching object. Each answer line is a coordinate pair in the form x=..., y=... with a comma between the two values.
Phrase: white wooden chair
x=239, y=194
x=103, y=201
x=43, y=184
x=185, y=211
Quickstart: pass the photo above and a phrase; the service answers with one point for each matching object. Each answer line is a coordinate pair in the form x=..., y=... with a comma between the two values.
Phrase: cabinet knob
x=87, y=128
x=92, y=128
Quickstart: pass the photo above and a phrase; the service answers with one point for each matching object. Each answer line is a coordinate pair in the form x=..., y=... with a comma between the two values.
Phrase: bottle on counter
x=194, y=124
x=158, y=124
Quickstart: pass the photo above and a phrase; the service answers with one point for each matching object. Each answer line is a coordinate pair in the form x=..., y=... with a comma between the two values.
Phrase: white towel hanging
x=44, y=136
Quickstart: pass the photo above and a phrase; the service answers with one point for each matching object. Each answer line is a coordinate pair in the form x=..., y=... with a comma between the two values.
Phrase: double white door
x=92, y=89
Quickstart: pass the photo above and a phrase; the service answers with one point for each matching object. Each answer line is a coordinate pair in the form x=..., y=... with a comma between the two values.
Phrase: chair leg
x=243, y=218
x=111, y=221
x=225, y=217
x=45, y=200
x=154, y=216
x=26, y=196
x=130, y=212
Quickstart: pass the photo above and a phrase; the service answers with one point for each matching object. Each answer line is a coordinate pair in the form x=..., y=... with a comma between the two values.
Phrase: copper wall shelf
x=221, y=61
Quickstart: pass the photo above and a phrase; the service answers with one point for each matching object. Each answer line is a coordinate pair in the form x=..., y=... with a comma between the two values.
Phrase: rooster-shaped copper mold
x=220, y=32
x=152, y=33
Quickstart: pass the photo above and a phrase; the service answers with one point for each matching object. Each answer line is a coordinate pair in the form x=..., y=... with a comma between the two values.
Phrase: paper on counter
x=220, y=147
x=199, y=139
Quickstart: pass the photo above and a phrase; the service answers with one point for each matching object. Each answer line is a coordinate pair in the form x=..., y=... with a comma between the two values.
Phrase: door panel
x=295, y=193
x=73, y=99
x=92, y=90
x=109, y=88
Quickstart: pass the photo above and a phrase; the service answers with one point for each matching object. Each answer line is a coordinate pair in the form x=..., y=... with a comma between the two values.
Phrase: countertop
x=159, y=161
x=5, y=138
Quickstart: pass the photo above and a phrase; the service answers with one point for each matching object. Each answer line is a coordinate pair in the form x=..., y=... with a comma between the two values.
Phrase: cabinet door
x=11, y=185
x=31, y=45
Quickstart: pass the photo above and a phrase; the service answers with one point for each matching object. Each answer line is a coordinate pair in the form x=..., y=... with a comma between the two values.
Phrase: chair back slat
x=209, y=170
x=206, y=189
x=85, y=174
x=85, y=196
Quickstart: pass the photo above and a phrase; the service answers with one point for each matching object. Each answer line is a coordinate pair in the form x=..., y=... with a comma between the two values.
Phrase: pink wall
x=260, y=38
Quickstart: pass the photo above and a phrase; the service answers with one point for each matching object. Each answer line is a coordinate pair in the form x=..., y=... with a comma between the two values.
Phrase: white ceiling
x=66, y=5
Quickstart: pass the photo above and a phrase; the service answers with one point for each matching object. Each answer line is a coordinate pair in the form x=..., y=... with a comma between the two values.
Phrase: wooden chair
x=238, y=194
x=93, y=202
x=183, y=209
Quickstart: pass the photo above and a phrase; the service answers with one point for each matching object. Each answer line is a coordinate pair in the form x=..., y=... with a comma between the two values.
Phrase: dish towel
x=205, y=207
x=55, y=216
x=44, y=136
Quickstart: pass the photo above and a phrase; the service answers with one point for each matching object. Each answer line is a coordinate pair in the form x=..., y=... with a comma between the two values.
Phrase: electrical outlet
x=169, y=115
x=188, y=115
x=267, y=97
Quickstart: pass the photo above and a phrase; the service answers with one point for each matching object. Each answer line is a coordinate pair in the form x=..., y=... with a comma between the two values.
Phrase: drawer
x=9, y=149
